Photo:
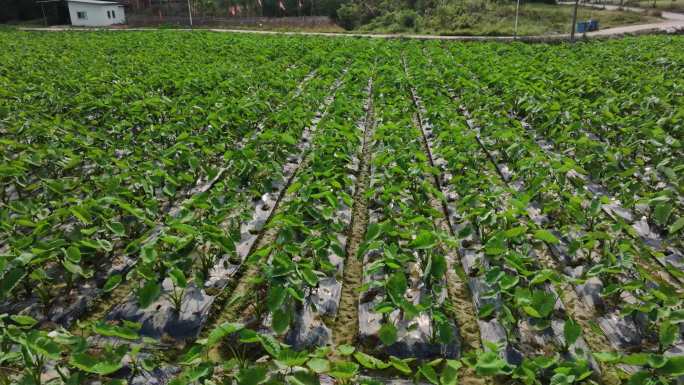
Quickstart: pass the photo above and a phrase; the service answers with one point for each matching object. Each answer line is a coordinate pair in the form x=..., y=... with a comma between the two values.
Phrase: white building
x=93, y=13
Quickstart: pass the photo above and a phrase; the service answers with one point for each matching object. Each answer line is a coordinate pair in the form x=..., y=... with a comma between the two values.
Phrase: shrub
x=407, y=18
x=349, y=15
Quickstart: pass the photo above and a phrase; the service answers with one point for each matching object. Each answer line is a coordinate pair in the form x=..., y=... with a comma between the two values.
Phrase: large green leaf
x=148, y=293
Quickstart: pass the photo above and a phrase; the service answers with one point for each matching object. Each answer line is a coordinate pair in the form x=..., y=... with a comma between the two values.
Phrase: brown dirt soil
x=462, y=306
x=597, y=342
x=105, y=303
x=346, y=324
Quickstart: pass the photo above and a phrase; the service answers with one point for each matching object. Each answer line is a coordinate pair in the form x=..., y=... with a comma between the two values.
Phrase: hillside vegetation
x=472, y=17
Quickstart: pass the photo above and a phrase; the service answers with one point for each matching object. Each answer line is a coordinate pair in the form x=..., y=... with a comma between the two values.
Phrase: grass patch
x=663, y=5
x=495, y=19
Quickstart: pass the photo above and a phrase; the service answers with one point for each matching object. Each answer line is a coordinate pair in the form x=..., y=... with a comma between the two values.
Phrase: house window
x=113, y=15
x=109, y=16
x=82, y=15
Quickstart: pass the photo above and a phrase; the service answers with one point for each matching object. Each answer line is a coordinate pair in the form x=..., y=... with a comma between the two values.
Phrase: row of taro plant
x=648, y=212
x=526, y=330
x=623, y=125
x=194, y=258
x=630, y=306
x=68, y=224
x=303, y=268
x=403, y=307
x=102, y=357
x=181, y=233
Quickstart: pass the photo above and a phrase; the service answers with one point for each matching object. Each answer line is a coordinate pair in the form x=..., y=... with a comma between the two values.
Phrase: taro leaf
x=194, y=355
x=388, y=334
x=609, y=357
x=369, y=361
x=439, y=266
x=344, y=370
x=148, y=254
x=221, y=332
x=562, y=379
x=270, y=344
x=546, y=236
x=252, y=375
x=126, y=332
x=445, y=332
x=23, y=320
x=276, y=297
x=10, y=280
x=486, y=311
x=248, y=336
x=117, y=228
x=291, y=358
x=662, y=212
x=676, y=226
x=76, y=269
x=571, y=331
x=638, y=359
x=319, y=365
x=515, y=232
x=542, y=304
x=373, y=232
x=198, y=372
x=281, y=321
x=400, y=365
x=148, y=293
x=309, y=276
x=303, y=378
x=103, y=364
x=673, y=367
x=73, y=253
x=449, y=375
x=667, y=334
x=656, y=360
x=543, y=276
x=489, y=364
x=40, y=343
x=178, y=278
x=345, y=350
x=112, y=282
x=429, y=373
x=640, y=378
x=424, y=240
x=396, y=286
x=287, y=138
x=508, y=282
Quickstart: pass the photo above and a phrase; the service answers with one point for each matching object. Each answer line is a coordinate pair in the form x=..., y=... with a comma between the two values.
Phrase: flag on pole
x=281, y=5
x=259, y=2
x=300, y=4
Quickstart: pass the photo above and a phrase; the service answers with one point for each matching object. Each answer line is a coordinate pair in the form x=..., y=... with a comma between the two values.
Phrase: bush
x=452, y=17
x=349, y=16
x=407, y=18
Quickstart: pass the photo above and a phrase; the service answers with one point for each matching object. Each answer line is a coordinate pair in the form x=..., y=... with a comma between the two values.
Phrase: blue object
x=582, y=26
x=593, y=25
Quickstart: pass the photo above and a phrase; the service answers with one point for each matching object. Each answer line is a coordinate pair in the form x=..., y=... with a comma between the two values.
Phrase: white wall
x=96, y=14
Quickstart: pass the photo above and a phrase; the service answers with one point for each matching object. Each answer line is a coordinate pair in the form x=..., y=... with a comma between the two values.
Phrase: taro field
x=207, y=208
